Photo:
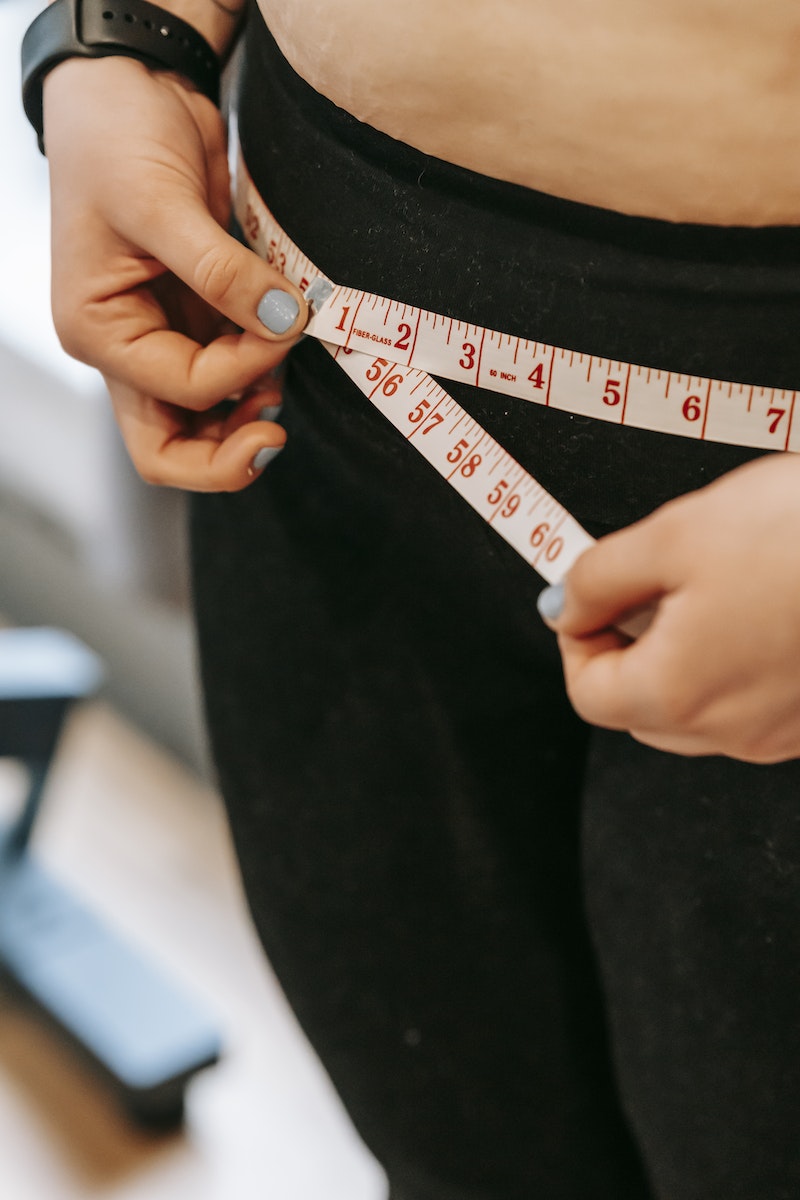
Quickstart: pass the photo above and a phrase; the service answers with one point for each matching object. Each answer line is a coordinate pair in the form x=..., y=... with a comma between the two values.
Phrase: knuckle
x=771, y=757
x=149, y=476
x=674, y=707
x=673, y=703
x=586, y=704
x=69, y=332
x=150, y=472
x=666, y=527
x=588, y=712
x=758, y=756
x=191, y=393
x=763, y=749
x=215, y=275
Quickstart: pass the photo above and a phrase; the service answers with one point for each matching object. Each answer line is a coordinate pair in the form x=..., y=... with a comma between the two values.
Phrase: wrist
x=159, y=37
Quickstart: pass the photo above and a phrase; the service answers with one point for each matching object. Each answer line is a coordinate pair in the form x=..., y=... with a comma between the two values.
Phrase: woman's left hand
x=717, y=671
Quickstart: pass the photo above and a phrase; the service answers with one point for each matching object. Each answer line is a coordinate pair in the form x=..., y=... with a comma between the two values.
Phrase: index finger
x=621, y=574
x=114, y=314
x=168, y=453
x=597, y=679
x=138, y=348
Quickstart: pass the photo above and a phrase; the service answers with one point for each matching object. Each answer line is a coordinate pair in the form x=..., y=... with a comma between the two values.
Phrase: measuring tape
x=390, y=350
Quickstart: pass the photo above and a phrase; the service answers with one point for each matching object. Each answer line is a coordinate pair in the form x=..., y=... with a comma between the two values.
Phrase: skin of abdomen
x=679, y=110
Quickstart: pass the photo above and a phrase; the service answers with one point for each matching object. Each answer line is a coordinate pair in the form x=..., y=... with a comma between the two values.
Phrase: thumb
x=229, y=277
x=616, y=583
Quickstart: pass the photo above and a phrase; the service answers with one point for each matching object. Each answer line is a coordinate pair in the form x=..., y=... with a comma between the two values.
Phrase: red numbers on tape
x=456, y=454
x=612, y=394
x=417, y=342
x=642, y=397
x=692, y=408
x=776, y=414
x=468, y=361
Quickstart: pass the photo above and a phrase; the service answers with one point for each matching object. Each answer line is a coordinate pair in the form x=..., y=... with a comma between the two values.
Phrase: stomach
x=684, y=110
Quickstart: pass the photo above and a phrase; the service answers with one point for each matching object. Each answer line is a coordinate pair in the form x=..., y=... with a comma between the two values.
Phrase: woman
x=540, y=953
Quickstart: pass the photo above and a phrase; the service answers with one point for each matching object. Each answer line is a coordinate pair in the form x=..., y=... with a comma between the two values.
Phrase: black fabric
x=537, y=960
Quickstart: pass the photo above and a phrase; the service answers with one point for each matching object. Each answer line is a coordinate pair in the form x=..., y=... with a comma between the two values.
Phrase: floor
x=135, y=834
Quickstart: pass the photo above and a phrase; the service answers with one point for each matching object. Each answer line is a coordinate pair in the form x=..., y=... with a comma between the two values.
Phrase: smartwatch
x=100, y=28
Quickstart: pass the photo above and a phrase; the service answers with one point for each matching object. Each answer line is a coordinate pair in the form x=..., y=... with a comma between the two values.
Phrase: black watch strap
x=99, y=28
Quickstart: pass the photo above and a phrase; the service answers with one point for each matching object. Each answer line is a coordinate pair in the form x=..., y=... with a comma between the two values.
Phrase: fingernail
x=264, y=456
x=270, y=412
x=278, y=310
x=551, y=602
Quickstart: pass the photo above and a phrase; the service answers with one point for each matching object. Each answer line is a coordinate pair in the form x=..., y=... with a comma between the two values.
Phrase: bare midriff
x=686, y=110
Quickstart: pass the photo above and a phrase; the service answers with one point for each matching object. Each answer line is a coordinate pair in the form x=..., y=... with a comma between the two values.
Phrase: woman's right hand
x=148, y=286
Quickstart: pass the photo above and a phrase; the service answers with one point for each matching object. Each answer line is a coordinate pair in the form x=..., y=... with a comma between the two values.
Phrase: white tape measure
x=390, y=350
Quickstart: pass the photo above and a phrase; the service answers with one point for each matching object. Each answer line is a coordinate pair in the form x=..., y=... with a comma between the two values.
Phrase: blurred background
x=131, y=827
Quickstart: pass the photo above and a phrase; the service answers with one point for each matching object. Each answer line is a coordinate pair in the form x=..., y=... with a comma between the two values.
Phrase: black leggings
x=538, y=960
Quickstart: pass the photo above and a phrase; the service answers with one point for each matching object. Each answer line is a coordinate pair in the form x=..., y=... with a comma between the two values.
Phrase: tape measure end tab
x=318, y=293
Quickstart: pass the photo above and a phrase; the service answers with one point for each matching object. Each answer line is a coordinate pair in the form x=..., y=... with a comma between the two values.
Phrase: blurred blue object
x=35, y=663
x=141, y=1032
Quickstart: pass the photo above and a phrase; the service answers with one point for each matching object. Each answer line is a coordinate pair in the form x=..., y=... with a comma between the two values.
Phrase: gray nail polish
x=551, y=602
x=270, y=412
x=264, y=456
x=278, y=310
